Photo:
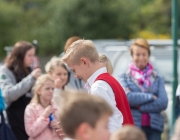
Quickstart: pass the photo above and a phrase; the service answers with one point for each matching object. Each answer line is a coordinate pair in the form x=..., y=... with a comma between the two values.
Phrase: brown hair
x=128, y=132
x=81, y=48
x=15, y=61
x=41, y=80
x=141, y=43
x=78, y=107
x=70, y=41
x=104, y=59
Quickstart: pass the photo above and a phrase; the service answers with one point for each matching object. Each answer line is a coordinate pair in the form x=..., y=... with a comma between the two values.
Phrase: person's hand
x=58, y=83
x=155, y=97
x=54, y=124
x=60, y=133
x=48, y=110
x=36, y=73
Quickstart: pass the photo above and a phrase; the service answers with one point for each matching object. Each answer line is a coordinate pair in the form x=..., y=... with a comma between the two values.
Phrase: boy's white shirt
x=103, y=89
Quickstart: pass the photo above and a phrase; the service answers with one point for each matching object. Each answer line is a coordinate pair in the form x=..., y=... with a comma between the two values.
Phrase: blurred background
x=112, y=25
x=53, y=22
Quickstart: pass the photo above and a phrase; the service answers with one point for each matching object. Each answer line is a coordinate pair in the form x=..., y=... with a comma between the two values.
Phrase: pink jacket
x=37, y=126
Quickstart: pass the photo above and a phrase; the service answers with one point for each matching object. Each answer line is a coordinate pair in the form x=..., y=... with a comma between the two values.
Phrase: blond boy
x=128, y=132
x=83, y=59
x=84, y=117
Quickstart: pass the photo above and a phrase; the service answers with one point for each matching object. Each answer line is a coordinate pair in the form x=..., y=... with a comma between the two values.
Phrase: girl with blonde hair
x=38, y=124
x=58, y=71
x=106, y=62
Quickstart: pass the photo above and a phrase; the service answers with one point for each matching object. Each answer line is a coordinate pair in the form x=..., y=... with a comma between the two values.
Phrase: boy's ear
x=84, y=61
x=84, y=131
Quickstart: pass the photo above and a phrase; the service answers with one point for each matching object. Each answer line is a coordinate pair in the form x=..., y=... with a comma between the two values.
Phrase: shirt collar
x=93, y=77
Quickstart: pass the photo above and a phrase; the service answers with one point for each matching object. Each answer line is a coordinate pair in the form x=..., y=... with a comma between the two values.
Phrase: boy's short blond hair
x=77, y=107
x=104, y=59
x=78, y=49
x=128, y=132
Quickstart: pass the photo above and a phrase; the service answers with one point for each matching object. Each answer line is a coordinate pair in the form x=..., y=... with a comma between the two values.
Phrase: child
x=74, y=83
x=128, y=132
x=59, y=73
x=83, y=59
x=84, y=116
x=106, y=63
x=37, y=122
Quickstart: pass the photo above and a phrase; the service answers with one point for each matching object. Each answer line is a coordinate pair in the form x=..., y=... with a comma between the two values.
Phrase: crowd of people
x=78, y=98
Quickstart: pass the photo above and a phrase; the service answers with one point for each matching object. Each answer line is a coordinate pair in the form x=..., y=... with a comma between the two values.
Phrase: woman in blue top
x=145, y=91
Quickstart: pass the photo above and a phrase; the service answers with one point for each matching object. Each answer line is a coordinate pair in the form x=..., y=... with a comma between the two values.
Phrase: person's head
x=57, y=69
x=84, y=116
x=70, y=41
x=140, y=52
x=82, y=59
x=128, y=132
x=43, y=89
x=21, y=56
x=106, y=63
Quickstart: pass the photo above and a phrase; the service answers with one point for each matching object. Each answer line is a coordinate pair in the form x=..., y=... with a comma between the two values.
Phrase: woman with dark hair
x=16, y=80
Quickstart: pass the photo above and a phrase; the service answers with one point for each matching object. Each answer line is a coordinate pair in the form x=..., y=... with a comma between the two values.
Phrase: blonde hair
x=81, y=48
x=128, y=132
x=141, y=43
x=104, y=59
x=41, y=80
x=54, y=63
x=78, y=107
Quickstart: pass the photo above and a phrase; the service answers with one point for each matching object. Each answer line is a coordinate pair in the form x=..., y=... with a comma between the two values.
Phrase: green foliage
x=53, y=22
x=9, y=24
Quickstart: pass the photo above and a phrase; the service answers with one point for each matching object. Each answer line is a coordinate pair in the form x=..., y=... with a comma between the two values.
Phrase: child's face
x=100, y=132
x=46, y=91
x=80, y=71
x=60, y=72
x=29, y=56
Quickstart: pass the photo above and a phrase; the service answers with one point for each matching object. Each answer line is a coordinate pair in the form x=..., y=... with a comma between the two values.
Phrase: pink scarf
x=143, y=77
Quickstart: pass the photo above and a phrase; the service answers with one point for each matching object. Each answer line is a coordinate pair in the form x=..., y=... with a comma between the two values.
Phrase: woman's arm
x=160, y=103
x=135, y=98
x=34, y=126
x=11, y=92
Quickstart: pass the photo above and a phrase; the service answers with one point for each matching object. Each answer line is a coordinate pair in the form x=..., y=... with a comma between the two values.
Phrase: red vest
x=120, y=97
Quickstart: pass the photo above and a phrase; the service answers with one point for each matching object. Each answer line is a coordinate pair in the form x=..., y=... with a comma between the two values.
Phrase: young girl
x=37, y=114
x=59, y=73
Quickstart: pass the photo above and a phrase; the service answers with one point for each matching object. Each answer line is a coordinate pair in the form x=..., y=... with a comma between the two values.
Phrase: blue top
x=144, y=102
x=2, y=106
